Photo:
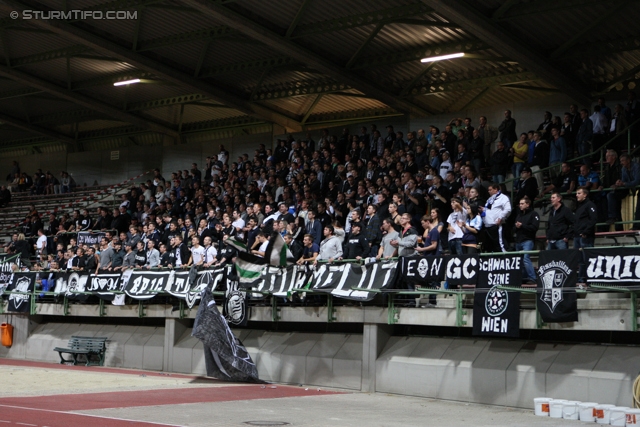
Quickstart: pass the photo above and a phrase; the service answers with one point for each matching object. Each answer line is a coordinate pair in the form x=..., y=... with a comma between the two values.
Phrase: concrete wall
x=496, y=372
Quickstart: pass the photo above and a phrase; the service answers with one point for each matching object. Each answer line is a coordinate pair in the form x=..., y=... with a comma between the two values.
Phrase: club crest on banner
x=496, y=302
x=553, y=281
x=423, y=268
x=22, y=285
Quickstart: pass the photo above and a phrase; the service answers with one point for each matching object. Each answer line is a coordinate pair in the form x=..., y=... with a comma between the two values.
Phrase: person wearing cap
x=528, y=185
x=356, y=244
x=129, y=260
x=118, y=255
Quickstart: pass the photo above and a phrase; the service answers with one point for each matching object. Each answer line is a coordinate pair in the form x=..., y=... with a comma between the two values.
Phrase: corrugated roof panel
x=224, y=52
x=99, y=124
x=134, y=93
x=297, y=105
x=279, y=12
x=336, y=103
x=394, y=37
x=52, y=71
x=331, y=9
x=85, y=69
x=158, y=22
x=23, y=43
x=198, y=113
x=184, y=55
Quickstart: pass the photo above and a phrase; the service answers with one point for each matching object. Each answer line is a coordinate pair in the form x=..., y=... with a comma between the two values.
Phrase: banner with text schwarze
x=339, y=279
x=613, y=265
x=496, y=312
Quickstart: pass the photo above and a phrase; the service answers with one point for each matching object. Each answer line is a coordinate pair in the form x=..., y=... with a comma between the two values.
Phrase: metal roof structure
x=244, y=65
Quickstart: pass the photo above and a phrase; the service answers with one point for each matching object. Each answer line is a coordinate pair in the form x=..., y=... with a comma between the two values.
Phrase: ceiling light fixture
x=126, y=82
x=443, y=57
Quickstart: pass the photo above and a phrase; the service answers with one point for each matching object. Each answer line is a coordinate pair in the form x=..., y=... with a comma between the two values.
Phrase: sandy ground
x=28, y=381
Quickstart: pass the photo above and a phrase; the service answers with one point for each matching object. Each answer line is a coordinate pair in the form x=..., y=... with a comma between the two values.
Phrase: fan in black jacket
x=526, y=226
x=560, y=227
x=585, y=228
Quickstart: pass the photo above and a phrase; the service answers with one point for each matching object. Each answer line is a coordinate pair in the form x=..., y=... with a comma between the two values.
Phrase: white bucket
x=587, y=411
x=618, y=416
x=603, y=413
x=570, y=410
x=541, y=406
x=633, y=417
x=555, y=408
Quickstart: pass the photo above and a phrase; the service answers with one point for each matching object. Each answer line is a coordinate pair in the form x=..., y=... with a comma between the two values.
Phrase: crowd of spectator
x=364, y=194
x=39, y=183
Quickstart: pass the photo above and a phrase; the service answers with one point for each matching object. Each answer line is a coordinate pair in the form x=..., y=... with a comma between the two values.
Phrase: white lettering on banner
x=509, y=263
x=181, y=285
x=498, y=279
x=143, y=285
x=456, y=272
x=609, y=268
x=409, y=271
x=495, y=324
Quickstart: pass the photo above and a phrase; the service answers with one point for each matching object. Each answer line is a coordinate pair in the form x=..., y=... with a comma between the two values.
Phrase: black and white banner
x=188, y=285
x=145, y=284
x=496, y=312
x=89, y=238
x=20, y=287
x=340, y=279
x=461, y=270
x=73, y=284
x=104, y=285
x=6, y=269
x=281, y=281
x=422, y=271
x=619, y=265
x=457, y=270
x=556, y=299
x=235, y=309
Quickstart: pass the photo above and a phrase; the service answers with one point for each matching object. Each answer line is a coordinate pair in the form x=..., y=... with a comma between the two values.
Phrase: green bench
x=92, y=348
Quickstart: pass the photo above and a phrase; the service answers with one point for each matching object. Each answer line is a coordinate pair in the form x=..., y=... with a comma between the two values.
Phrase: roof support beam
x=631, y=74
x=475, y=99
x=303, y=89
x=166, y=72
x=310, y=110
x=424, y=23
x=587, y=27
x=503, y=9
x=478, y=83
x=364, y=45
x=598, y=49
x=482, y=27
x=35, y=129
x=83, y=100
x=287, y=47
x=417, y=78
x=530, y=88
x=417, y=54
x=298, y=17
